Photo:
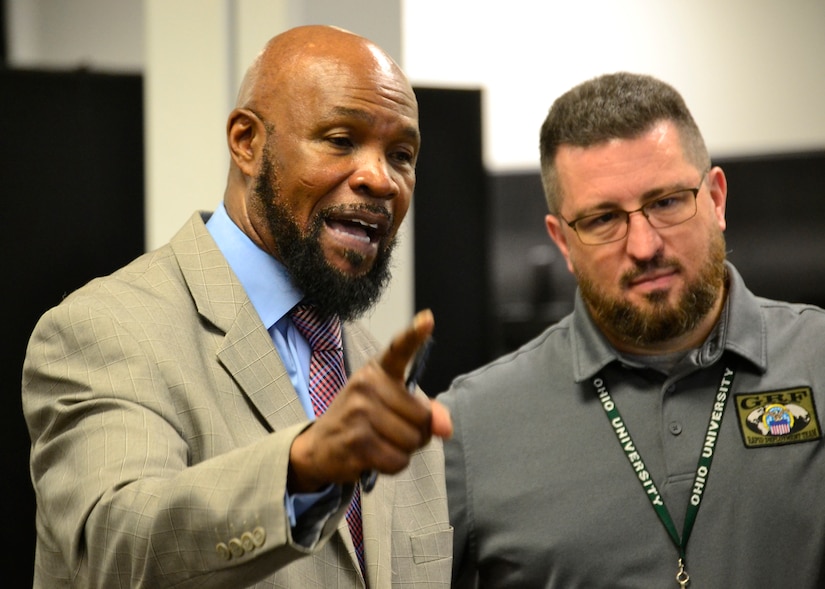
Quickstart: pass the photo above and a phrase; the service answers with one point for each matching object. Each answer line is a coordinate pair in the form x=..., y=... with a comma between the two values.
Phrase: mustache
x=643, y=267
x=337, y=210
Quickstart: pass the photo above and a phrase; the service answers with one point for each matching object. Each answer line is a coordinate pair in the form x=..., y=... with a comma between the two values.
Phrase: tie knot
x=322, y=333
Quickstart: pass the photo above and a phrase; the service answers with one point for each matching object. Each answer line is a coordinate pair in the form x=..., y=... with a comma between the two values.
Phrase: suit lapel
x=376, y=506
x=250, y=356
x=247, y=351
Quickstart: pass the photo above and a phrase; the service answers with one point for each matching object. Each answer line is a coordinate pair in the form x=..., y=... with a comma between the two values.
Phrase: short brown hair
x=613, y=106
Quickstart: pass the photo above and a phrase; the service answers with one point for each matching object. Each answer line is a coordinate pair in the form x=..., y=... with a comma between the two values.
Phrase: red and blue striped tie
x=327, y=376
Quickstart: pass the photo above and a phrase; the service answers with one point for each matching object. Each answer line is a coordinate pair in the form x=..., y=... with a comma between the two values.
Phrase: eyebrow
x=663, y=191
x=644, y=198
x=409, y=131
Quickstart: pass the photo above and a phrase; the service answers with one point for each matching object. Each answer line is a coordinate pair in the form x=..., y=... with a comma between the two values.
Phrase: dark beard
x=661, y=323
x=330, y=290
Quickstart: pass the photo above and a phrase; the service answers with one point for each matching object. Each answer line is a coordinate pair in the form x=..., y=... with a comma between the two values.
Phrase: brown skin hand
x=373, y=423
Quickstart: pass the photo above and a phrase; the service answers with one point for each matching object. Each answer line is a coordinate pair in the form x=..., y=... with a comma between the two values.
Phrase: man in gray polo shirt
x=665, y=433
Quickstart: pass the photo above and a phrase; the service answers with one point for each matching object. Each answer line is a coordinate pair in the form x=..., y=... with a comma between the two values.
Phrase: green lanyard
x=702, y=469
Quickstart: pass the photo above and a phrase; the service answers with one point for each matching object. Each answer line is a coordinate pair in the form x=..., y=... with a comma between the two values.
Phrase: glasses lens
x=602, y=228
x=671, y=209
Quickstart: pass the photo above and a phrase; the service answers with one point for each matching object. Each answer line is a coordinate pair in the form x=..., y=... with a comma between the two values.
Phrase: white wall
x=99, y=34
x=752, y=71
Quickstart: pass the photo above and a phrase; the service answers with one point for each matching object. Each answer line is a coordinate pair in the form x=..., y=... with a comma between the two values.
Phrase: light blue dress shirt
x=270, y=288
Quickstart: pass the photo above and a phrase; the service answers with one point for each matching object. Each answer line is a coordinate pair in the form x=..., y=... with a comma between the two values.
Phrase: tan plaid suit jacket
x=161, y=419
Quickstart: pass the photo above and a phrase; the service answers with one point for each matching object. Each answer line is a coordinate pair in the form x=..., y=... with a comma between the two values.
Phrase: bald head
x=301, y=50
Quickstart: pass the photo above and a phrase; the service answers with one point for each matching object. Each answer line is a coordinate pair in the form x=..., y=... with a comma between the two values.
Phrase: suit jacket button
x=235, y=547
x=223, y=551
x=247, y=542
x=259, y=536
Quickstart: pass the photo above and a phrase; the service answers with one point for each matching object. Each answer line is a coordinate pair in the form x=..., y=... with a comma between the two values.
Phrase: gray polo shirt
x=542, y=494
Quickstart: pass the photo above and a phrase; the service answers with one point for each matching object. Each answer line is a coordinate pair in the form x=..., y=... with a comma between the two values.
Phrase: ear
x=246, y=137
x=718, y=187
x=556, y=233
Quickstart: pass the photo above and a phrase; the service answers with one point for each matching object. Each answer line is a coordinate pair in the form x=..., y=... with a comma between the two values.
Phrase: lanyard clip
x=681, y=575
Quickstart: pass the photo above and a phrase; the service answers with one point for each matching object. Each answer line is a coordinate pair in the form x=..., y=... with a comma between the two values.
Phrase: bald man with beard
x=174, y=438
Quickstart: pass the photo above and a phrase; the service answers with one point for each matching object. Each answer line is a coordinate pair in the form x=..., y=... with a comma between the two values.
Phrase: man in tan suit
x=173, y=436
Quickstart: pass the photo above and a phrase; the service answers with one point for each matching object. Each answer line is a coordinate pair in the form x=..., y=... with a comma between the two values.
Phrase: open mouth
x=356, y=229
x=365, y=226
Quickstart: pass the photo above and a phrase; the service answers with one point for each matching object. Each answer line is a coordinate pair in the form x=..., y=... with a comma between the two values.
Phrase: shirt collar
x=265, y=280
x=744, y=327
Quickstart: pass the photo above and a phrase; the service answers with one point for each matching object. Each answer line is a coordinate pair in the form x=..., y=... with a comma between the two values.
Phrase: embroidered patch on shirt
x=777, y=417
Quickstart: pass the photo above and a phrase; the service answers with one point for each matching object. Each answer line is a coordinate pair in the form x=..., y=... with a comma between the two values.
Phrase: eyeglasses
x=664, y=211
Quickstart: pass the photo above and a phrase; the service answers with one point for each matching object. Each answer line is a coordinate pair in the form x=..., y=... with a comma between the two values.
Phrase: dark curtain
x=71, y=163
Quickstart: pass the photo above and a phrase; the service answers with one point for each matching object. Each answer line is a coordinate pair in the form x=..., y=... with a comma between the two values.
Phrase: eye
x=600, y=221
x=403, y=156
x=341, y=141
x=669, y=201
x=661, y=204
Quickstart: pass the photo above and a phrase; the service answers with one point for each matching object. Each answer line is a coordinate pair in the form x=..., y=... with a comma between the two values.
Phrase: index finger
x=403, y=346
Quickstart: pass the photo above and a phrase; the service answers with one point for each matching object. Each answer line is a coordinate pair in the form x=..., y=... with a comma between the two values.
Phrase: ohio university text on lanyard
x=702, y=469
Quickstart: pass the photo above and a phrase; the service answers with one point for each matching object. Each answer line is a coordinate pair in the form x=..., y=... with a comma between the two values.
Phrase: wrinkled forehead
x=318, y=84
x=345, y=61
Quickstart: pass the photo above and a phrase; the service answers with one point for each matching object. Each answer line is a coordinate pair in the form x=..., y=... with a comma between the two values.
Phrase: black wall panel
x=775, y=236
x=451, y=271
x=71, y=164
x=776, y=223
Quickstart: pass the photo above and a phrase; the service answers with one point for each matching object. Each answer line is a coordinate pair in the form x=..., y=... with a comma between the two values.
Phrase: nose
x=643, y=240
x=374, y=177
